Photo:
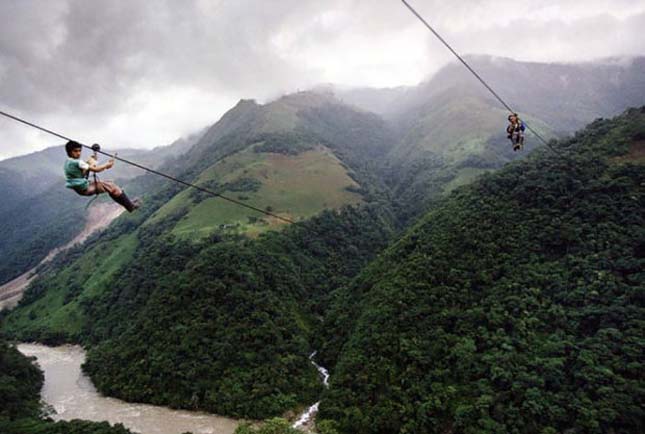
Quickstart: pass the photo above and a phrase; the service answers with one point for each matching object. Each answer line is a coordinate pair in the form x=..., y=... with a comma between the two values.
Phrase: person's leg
x=515, y=140
x=110, y=187
x=89, y=191
x=118, y=195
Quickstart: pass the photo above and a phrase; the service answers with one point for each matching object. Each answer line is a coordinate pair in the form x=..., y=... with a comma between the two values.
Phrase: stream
x=307, y=417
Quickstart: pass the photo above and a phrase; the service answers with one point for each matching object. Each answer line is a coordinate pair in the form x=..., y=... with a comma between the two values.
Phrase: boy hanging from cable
x=77, y=171
x=515, y=131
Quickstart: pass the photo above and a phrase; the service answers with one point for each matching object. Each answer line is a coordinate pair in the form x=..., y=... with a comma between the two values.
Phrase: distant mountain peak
x=245, y=102
x=306, y=98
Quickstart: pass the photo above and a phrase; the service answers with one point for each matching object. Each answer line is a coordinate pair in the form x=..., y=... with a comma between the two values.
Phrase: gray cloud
x=140, y=73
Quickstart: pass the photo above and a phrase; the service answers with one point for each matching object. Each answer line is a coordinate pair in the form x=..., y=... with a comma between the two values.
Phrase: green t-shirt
x=74, y=174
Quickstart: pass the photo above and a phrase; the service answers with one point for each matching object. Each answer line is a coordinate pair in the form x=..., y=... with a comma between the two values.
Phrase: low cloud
x=140, y=73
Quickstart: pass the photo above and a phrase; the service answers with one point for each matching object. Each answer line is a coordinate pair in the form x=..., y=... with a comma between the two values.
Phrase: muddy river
x=71, y=394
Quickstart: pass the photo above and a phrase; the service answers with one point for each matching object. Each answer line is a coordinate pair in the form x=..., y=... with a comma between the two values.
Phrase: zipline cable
x=481, y=80
x=251, y=207
x=156, y=172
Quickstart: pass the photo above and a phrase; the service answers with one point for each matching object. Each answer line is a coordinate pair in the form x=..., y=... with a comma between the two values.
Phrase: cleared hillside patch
x=635, y=155
x=292, y=186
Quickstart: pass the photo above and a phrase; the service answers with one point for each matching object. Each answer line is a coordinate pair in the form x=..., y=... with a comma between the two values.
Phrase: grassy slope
x=295, y=186
x=454, y=127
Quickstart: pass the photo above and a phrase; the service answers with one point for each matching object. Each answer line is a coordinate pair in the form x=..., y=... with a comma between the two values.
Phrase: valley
x=447, y=283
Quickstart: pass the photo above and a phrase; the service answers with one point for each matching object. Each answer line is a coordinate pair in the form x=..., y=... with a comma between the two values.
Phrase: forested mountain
x=192, y=292
x=514, y=306
x=27, y=176
x=39, y=214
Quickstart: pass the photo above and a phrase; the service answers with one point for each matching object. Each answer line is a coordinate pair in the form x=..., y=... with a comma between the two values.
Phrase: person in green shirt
x=76, y=175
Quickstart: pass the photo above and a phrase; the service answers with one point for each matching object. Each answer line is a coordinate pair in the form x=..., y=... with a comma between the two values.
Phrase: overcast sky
x=141, y=73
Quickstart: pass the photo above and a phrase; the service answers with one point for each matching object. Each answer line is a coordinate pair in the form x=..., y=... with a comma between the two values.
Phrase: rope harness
x=96, y=148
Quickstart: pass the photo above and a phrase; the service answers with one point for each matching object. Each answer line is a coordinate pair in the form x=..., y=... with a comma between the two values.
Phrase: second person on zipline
x=515, y=131
x=77, y=171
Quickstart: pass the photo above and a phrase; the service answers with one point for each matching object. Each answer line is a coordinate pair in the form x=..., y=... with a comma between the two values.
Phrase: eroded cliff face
x=100, y=215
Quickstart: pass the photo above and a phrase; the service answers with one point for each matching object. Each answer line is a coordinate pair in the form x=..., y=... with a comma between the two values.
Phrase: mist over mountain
x=566, y=95
x=449, y=129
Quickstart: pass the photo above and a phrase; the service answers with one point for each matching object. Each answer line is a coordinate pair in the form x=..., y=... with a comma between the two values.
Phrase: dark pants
x=517, y=139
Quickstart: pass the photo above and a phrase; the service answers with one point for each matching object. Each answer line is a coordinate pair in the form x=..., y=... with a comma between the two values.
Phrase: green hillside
x=514, y=306
x=195, y=304
x=293, y=186
x=54, y=311
x=36, y=226
x=294, y=157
